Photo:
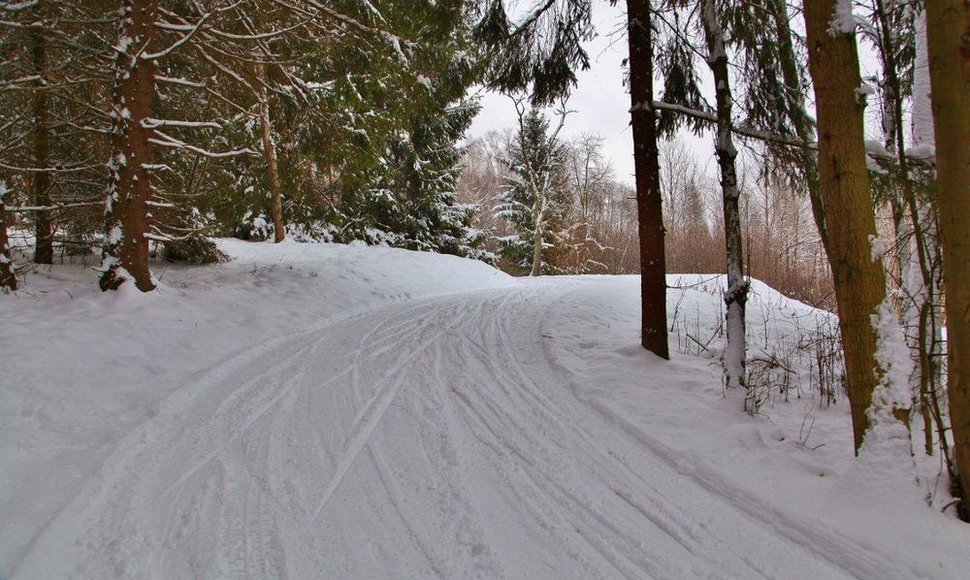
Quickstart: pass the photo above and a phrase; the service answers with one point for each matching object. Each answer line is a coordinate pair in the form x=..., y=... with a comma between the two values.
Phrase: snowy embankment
x=322, y=411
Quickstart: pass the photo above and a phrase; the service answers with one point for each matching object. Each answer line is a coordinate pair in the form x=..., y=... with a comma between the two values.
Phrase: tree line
x=138, y=124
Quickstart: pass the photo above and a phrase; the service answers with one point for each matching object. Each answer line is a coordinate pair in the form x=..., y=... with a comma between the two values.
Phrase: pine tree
x=653, y=282
x=536, y=196
x=541, y=53
x=948, y=36
x=129, y=189
x=8, y=278
x=52, y=136
x=860, y=284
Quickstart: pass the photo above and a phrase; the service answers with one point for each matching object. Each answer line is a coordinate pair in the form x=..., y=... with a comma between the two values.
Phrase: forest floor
x=325, y=411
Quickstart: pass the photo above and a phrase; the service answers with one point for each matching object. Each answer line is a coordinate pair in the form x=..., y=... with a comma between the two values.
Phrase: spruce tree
x=535, y=200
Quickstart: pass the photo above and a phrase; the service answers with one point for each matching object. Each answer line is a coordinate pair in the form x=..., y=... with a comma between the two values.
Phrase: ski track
x=432, y=438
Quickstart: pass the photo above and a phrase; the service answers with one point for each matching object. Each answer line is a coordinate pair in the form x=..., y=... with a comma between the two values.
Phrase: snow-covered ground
x=326, y=411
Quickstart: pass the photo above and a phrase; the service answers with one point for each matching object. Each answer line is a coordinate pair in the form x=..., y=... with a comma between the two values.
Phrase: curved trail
x=435, y=438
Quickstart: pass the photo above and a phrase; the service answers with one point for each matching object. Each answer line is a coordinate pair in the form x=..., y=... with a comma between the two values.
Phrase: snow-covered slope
x=322, y=411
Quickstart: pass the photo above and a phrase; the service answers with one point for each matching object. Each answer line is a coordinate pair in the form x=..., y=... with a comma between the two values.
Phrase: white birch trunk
x=737, y=286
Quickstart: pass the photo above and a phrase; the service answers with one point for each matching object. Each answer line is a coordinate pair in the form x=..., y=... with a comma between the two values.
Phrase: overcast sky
x=601, y=101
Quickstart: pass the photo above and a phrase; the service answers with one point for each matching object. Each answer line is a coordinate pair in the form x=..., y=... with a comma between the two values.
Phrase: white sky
x=601, y=101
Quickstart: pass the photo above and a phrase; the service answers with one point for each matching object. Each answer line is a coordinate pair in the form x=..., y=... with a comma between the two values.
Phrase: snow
x=328, y=411
x=887, y=441
x=923, y=131
x=843, y=21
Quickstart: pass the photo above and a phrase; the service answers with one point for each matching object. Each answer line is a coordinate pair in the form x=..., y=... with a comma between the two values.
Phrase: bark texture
x=272, y=167
x=128, y=218
x=860, y=281
x=537, y=213
x=948, y=36
x=41, y=180
x=7, y=278
x=737, y=286
x=653, y=283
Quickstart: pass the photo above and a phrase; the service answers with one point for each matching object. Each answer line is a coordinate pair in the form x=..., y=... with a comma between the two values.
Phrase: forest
x=137, y=133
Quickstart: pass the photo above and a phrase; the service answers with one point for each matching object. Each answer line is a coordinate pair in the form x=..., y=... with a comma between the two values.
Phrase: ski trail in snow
x=434, y=438
x=365, y=425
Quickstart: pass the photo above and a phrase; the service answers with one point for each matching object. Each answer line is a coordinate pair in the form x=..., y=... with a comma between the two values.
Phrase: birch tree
x=736, y=293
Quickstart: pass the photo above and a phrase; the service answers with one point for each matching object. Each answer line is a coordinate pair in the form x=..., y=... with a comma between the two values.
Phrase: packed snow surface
x=325, y=411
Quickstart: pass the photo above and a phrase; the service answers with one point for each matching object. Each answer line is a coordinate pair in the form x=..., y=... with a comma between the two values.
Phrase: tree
x=129, y=189
x=541, y=53
x=860, y=284
x=590, y=176
x=8, y=278
x=737, y=285
x=948, y=36
x=653, y=282
x=535, y=200
x=52, y=136
x=905, y=182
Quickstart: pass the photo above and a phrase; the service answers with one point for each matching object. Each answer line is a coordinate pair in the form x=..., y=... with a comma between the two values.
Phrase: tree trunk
x=272, y=169
x=537, y=237
x=8, y=279
x=931, y=340
x=860, y=281
x=41, y=182
x=948, y=35
x=799, y=118
x=925, y=303
x=653, y=283
x=737, y=286
x=129, y=187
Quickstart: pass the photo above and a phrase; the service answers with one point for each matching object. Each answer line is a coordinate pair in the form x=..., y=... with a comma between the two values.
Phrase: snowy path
x=435, y=438
x=468, y=435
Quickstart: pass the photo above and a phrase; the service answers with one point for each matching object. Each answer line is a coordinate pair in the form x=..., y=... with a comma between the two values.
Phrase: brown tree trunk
x=126, y=244
x=41, y=182
x=8, y=279
x=272, y=168
x=860, y=282
x=796, y=113
x=948, y=35
x=653, y=282
x=737, y=287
